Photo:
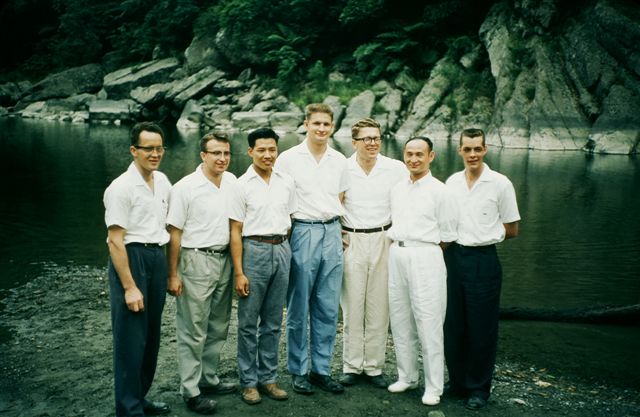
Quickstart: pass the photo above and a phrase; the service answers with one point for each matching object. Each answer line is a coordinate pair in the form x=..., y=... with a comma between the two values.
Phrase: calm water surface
x=579, y=244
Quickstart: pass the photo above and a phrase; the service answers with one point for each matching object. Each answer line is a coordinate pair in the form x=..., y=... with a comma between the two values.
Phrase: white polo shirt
x=264, y=209
x=318, y=184
x=132, y=205
x=423, y=211
x=484, y=208
x=367, y=201
x=200, y=209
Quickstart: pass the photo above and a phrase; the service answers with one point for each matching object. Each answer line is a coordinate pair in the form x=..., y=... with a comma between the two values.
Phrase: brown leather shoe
x=251, y=395
x=273, y=391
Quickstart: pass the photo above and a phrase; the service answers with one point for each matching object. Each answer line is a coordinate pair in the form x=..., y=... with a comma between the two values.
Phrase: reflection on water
x=580, y=235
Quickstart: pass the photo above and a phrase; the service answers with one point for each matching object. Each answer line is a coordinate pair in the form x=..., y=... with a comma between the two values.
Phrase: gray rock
x=218, y=115
x=247, y=100
x=392, y=103
x=263, y=106
x=150, y=95
x=199, y=84
x=336, y=107
x=191, y=117
x=11, y=92
x=286, y=121
x=336, y=77
x=112, y=110
x=407, y=82
x=118, y=84
x=360, y=107
x=84, y=79
x=246, y=120
x=617, y=130
x=427, y=100
x=223, y=87
x=201, y=53
x=34, y=110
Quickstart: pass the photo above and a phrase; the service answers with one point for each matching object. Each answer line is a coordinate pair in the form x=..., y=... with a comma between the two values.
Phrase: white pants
x=417, y=307
x=365, y=309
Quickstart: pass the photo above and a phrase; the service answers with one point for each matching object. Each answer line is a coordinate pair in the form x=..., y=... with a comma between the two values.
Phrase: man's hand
x=174, y=286
x=345, y=240
x=134, y=299
x=242, y=285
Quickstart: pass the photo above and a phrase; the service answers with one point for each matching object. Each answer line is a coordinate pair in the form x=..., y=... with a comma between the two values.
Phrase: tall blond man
x=364, y=301
x=321, y=178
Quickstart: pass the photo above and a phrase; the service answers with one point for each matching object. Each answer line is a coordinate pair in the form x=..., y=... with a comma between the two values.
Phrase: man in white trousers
x=424, y=219
x=364, y=302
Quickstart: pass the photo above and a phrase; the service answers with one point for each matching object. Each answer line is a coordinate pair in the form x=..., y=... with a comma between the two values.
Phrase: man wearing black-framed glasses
x=135, y=213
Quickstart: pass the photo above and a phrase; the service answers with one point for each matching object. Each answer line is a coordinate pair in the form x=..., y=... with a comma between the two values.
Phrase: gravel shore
x=56, y=361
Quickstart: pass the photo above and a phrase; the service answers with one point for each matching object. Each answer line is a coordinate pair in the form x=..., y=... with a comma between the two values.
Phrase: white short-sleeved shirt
x=200, y=209
x=366, y=202
x=318, y=184
x=423, y=211
x=132, y=205
x=484, y=208
x=264, y=209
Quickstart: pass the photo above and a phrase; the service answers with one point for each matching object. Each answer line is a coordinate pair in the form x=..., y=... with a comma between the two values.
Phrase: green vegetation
x=282, y=39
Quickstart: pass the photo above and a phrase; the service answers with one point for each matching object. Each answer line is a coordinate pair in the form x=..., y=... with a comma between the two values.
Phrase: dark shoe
x=453, y=391
x=475, y=402
x=348, y=379
x=201, y=405
x=221, y=388
x=155, y=408
x=301, y=385
x=378, y=381
x=325, y=383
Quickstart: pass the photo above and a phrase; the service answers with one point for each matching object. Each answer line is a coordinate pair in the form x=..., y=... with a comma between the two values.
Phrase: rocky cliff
x=539, y=75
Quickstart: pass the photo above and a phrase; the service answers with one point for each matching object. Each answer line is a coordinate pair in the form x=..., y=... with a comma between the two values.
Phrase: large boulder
x=151, y=95
x=113, y=110
x=617, y=130
x=118, y=84
x=11, y=92
x=336, y=107
x=247, y=120
x=194, y=86
x=201, y=53
x=84, y=79
x=286, y=121
x=360, y=107
x=191, y=117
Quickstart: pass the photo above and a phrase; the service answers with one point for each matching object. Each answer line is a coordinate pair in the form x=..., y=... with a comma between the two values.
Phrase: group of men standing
x=310, y=229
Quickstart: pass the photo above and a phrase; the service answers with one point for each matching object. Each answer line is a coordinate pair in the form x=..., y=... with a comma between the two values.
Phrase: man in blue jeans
x=135, y=211
x=260, y=220
x=321, y=178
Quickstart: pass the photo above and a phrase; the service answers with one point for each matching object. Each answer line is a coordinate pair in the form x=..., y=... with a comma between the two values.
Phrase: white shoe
x=430, y=399
x=400, y=386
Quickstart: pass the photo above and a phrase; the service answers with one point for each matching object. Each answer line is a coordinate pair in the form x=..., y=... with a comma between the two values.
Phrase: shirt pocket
x=488, y=213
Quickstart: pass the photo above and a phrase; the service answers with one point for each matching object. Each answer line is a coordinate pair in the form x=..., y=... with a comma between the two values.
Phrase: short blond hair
x=317, y=108
x=366, y=122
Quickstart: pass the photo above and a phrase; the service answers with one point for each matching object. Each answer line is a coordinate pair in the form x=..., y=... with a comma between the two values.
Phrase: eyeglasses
x=219, y=154
x=149, y=149
x=368, y=140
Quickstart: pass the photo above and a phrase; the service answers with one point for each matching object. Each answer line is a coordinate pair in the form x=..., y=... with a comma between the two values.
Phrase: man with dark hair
x=200, y=272
x=260, y=220
x=488, y=215
x=424, y=223
x=135, y=211
x=321, y=178
x=365, y=295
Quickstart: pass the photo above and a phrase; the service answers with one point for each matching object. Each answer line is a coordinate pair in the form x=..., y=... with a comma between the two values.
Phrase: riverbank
x=57, y=362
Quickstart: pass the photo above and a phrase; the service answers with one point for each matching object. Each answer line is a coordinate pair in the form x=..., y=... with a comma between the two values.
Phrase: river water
x=579, y=244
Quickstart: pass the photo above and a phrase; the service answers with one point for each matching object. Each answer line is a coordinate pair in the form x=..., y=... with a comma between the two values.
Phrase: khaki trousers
x=365, y=303
x=202, y=319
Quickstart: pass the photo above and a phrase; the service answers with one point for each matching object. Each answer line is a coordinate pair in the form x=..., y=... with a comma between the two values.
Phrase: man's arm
x=240, y=280
x=118, y=252
x=511, y=230
x=174, y=283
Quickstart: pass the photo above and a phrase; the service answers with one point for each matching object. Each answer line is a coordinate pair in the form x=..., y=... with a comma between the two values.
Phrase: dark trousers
x=136, y=336
x=474, y=279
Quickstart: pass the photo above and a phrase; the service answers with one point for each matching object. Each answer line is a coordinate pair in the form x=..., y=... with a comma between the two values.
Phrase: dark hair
x=138, y=128
x=422, y=138
x=472, y=133
x=261, y=133
x=215, y=135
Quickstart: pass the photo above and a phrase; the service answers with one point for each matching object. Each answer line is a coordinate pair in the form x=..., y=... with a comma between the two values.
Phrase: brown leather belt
x=370, y=230
x=273, y=239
